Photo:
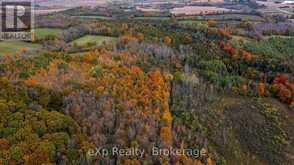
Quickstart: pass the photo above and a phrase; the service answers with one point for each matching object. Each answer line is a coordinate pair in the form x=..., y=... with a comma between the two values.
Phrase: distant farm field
x=11, y=47
x=245, y=17
x=190, y=21
x=98, y=40
x=43, y=32
x=94, y=17
x=152, y=18
x=199, y=10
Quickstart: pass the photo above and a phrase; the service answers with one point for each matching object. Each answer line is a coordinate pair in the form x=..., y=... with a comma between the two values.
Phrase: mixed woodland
x=225, y=87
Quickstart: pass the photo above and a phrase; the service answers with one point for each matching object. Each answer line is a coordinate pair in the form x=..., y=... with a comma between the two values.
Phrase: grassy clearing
x=43, y=32
x=153, y=18
x=98, y=40
x=11, y=47
x=78, y=53
x=190, y=22
x=245, y=39
x=94, y=17
x=279, y=36
x=244, y=17
x=274, y=47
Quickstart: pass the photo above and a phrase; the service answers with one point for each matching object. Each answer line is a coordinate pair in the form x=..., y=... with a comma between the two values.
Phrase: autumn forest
x=222, y=87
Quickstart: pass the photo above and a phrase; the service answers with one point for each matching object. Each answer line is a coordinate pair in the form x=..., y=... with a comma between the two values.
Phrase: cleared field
x=279, y=36
x=222, y=18
x=11, y=47
x=93, y=39
x=245, y=17
x=152, y=18
x=192, y=10
x=71, y=3
x=190, y=21
x=273, y=47
x=43, y=32
x=93, y=17
x=245, y=39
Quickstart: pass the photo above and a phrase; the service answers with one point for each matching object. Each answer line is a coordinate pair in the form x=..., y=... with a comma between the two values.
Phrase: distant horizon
x=77, y=3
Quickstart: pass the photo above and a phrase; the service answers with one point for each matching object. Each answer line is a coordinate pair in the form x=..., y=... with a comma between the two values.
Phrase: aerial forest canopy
x=223, y=87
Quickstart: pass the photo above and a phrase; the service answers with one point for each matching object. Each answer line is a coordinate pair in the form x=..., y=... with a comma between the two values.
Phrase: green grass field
x=94, y=17
x=11, y=47
x=93, y=39
x=235, y=16
x=273, y=47
x=43, y=32
x=190, y=22
x=153, y=18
